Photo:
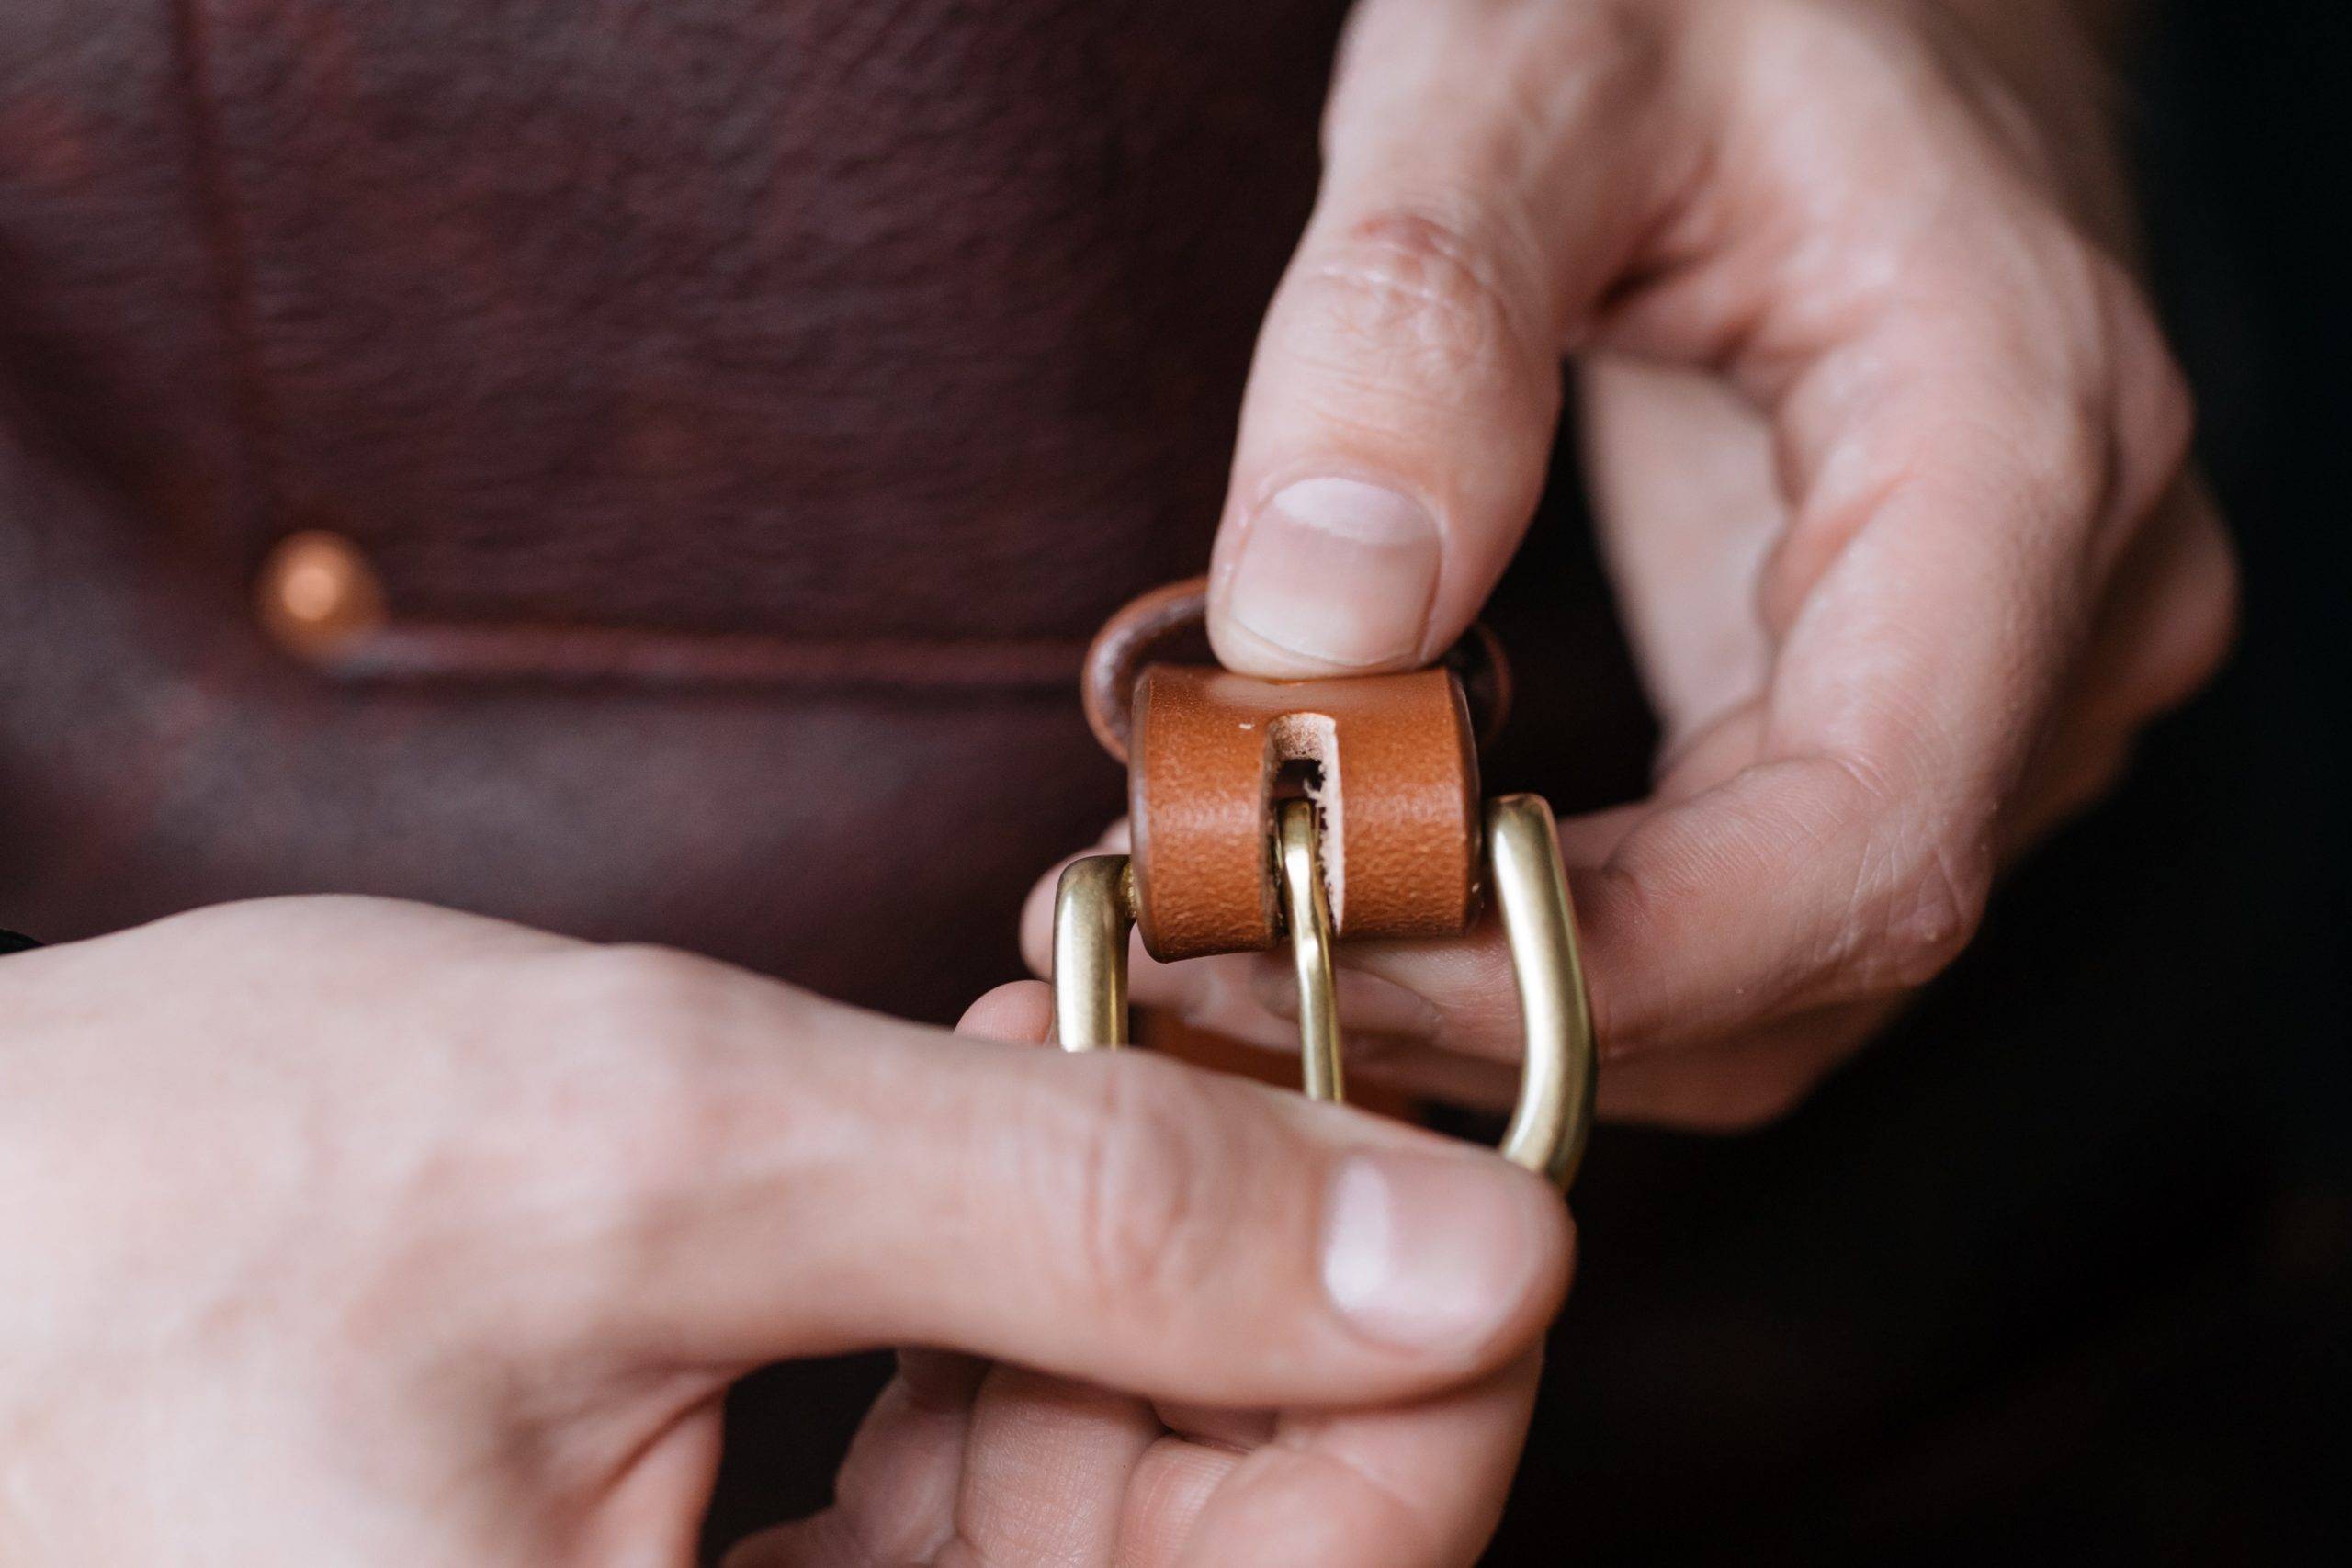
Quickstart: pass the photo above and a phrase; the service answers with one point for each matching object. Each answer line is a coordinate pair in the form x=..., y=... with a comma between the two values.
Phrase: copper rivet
x=316, y=591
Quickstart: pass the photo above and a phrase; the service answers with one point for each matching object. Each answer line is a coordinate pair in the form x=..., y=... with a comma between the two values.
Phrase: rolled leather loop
x=1151, y=624
x=1387, y=761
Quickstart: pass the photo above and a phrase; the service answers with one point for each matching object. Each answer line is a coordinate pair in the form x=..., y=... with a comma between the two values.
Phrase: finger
x=826, y=1179
x=2170, y=615
x=1420, y=1486
x=1488, y=169
x=1173, y=1486
x=1963, y=487
x=2167, y=625
x=1047, y=1460
x=1743, y=1084
x=1237, y=1429
x=1687, y=499
x=1020, y=1012
x=906, y=1489
x=1046, y=1475
x=1834, y=839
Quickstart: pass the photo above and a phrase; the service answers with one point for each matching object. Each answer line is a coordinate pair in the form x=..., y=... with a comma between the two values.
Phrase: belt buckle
x=1094, y=910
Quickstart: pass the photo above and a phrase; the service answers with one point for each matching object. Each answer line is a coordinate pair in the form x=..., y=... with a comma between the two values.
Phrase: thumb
x=1484, y=179
x=1116, y=1218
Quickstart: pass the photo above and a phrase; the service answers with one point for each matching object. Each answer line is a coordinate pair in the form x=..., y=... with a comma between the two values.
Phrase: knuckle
x=1851, y=40
x=1157, y=1186
x=620, y=1099
x=1918, y=894
x=1561, y=66
x=1932, y=912
x=1418, y=293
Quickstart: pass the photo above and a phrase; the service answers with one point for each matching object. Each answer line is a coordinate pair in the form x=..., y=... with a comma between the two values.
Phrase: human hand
x=1004, y=1464
x=338, y=1230
x=1887, y=452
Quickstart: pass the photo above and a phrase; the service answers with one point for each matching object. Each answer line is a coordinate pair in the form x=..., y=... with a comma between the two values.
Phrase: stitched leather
x=1398, y=799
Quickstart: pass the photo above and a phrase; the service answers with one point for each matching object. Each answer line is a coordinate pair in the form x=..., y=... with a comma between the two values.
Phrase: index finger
x=1419, y=1485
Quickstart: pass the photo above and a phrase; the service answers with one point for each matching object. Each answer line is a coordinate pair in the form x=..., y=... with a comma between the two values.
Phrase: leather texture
x=825, y=318
x=748, y=411
x=640, y=328
x=1387, y=761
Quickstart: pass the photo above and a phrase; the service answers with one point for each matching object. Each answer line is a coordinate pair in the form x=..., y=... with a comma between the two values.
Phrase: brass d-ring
x=1307, y=912
x=1094, y=909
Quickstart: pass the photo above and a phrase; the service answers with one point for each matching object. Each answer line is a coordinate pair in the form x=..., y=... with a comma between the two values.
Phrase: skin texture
x=965, y=1462
x=350, y=1231
x=1888, y=454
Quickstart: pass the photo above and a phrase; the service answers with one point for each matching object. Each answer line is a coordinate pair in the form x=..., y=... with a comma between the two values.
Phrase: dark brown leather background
x=815, y=319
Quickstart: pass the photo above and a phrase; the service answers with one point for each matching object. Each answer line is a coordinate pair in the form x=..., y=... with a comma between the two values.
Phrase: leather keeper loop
x=1398, y=797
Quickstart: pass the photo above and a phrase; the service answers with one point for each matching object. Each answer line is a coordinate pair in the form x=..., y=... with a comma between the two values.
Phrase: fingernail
x=1336, y=571
x=1425, y=1252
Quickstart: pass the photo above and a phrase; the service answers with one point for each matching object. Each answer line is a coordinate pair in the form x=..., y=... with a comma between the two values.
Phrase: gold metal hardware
x=1559, y=1072
x=317, y=593
x=1094, y=910
x=1307, y=912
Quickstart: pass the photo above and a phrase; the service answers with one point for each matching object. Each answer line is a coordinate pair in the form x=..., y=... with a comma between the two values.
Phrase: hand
x=1016, y=1466
x=345, y=1231
x=1887, y=452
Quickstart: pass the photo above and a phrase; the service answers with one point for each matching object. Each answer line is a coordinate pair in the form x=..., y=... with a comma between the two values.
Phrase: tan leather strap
x=1146, y=625
x=1395, y=784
